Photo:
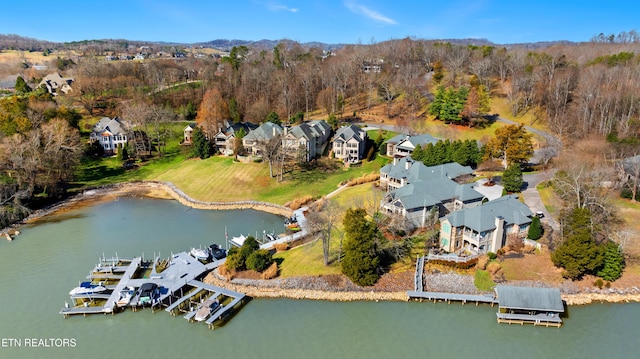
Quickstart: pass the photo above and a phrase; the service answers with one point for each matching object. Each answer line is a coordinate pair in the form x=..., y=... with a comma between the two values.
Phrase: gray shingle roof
x=417, y=171
x=348, y=132
x=527, y=298
x=482, y=218
x=264, y=132
x=412, y=141
x=113, y=125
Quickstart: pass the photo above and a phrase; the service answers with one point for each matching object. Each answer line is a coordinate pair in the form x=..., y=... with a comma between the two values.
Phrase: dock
x=179, y=287
x=454, y=297
x=516, y=305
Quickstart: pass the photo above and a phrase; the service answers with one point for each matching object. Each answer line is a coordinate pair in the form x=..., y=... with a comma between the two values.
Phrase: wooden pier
x=516, y=305
x=178, y=285
x=454, y=297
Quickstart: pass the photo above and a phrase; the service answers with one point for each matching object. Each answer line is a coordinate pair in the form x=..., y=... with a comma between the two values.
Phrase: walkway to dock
x=419, y=293
x=303, y=232
x=455, y=297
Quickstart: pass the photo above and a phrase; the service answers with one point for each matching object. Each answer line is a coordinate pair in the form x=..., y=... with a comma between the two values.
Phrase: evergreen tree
x=360, y=261
x=273, y=117
x=201, y=146
x=578, y=254
x=428, y=155
x=535, y=229
x=234, y=111
x=259, y=260
x=613, y=262
x=418, y=153
x=21, y=86
x=439, y=153
x=512, y=178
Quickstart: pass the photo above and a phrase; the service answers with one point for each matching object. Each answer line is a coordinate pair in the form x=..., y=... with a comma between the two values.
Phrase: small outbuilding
x=525, y=305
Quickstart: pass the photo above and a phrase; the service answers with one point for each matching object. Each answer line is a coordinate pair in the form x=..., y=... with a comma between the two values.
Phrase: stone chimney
x=497, y=240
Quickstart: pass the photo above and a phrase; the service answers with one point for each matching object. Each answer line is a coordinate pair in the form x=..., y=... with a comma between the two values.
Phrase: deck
x=553, y=320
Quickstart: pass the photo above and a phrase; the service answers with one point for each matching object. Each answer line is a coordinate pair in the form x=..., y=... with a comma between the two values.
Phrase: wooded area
x=580, y=93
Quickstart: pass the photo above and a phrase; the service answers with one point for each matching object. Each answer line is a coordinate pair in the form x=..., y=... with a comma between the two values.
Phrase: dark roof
x=527, y=298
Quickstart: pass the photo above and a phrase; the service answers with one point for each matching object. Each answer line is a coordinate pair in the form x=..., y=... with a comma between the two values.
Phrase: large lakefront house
x=485, y=228
x=349, y=144
x=415, y=190
x=469, y=220
x=111, y=133
x=307, y=140
x=225, y=139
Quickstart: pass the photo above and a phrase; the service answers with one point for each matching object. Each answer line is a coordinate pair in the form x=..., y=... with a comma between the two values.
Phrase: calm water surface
x=38, y=269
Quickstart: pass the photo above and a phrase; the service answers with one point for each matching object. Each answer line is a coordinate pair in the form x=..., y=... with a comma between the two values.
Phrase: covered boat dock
x=526, y=305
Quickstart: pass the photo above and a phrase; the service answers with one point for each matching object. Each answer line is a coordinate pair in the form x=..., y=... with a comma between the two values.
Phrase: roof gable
x=482, y=218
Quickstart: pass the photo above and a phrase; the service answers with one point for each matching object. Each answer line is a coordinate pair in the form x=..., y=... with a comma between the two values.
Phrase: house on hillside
x=56, y=84
x=307, y=140
x=255, y=141
x=111, y=133
x=225, y=139
x=485, y=228
x=403, y=145
x=417, y=192
x=188, y=133
x=349, y=144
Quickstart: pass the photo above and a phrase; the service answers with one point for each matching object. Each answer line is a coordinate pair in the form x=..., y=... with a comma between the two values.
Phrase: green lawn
x=483, y=281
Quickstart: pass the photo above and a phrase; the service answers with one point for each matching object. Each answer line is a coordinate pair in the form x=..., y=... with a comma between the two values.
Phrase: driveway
x=532, y=196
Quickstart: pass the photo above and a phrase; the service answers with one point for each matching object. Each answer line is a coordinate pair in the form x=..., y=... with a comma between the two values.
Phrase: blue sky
x=329, y=21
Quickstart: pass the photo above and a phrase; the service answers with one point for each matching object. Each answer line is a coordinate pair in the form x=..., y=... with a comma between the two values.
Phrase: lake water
x=38, y=269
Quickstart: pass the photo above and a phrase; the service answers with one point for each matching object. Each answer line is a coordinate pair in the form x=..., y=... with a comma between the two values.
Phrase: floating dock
x=178, y=287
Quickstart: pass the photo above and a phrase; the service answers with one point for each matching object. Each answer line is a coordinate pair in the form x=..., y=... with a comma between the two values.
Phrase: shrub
x=259, y=260
x=598, y=283
x=281, y=247
x=372, y=177
x=270, y=272
x=482, y=262
x=299, y=202
x=492, y=255
x=535, y=229
x=493, y=268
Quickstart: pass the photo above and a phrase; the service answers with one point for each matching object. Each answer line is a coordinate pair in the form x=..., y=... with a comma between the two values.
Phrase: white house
x=112, y=134
x=349, y=144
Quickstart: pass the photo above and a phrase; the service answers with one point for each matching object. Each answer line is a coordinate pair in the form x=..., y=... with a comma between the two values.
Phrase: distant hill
x=17, y=42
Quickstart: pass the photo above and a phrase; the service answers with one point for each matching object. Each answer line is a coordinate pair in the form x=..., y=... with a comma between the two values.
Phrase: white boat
x=207, y=308
x=87, y=288
x=201, y=254
x=125, y=296
x=238, y=241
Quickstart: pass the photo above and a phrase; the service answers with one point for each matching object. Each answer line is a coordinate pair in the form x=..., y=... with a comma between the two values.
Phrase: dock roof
x=527, y=298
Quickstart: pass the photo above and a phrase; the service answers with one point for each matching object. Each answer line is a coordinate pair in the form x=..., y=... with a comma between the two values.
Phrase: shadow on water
x=59, y=218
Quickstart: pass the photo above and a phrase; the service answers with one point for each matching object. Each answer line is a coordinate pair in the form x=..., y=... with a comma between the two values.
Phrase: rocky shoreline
x=298, y=288
x=275, y=289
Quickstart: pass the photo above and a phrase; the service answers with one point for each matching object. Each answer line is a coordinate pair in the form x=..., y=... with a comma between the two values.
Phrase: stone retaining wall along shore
x=265, y=291
x=183, y=198
x=154, y=189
